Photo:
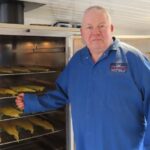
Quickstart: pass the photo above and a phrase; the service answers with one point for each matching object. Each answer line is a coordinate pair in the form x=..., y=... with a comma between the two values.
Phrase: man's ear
x=82, y=36
x=81, y=31
x=112, y=28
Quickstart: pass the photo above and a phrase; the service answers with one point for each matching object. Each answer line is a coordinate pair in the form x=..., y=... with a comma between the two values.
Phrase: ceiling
x=128, y=16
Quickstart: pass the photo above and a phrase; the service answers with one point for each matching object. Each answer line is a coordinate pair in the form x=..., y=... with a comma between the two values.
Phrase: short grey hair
x=104, y=10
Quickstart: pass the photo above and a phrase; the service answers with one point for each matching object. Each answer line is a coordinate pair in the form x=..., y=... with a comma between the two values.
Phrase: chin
x=96, y=47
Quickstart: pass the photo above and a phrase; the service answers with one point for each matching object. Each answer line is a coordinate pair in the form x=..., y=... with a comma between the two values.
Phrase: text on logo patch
x=118, y=67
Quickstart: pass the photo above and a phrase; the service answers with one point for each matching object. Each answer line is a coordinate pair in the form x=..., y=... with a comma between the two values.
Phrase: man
x=107, y=84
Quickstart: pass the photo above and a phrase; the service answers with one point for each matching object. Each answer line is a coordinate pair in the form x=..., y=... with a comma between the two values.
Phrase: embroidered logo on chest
x=118, y=67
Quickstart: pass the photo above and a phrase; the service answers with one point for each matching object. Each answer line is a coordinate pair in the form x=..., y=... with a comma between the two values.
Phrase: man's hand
x=20, y=101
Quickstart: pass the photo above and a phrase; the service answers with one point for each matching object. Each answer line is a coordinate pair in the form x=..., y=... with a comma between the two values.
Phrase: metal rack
x=38, y=131
x=28, y=73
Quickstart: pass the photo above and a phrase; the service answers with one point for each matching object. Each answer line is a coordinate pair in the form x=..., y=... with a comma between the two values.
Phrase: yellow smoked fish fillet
x=5, y=70
x=22, y=89
x=25, y=124
x=41, y=122
x=20, y=69
x=36, y=87
x=10, y=111
x=4, y=91
x=10, y=129
x=38, y=69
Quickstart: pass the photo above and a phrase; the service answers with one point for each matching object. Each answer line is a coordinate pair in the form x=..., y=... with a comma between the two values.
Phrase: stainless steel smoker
x=30, y=58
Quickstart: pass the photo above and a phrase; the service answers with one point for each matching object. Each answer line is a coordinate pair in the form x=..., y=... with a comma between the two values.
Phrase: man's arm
x=146, y=95
x=32, y=103
x=142, y=78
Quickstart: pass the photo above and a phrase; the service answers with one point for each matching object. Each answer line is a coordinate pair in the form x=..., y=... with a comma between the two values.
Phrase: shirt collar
x=85, y=54
x=113, y=47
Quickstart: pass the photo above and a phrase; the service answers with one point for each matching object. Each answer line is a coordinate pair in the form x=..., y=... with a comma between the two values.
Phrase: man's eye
x=103, y=26
x=89, y=27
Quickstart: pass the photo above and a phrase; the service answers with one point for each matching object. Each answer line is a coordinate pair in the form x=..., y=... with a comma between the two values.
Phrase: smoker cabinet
x=32, y=57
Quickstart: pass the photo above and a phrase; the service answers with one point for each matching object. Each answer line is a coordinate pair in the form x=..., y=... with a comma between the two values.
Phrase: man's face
x=96, y=30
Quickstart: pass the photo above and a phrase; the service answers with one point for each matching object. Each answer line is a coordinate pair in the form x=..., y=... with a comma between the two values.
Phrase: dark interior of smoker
x=35, y=51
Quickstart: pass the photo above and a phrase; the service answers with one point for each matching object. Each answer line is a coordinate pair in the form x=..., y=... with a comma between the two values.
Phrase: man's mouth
x=96, y=39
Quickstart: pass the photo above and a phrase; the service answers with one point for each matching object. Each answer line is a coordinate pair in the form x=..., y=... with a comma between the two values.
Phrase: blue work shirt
x=110, y=99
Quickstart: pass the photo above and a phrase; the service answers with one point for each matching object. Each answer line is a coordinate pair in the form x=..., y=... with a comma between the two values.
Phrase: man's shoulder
x=129, y=48
x=132, y=54
x=80, y=51
x=77, y=56
x=131, y=51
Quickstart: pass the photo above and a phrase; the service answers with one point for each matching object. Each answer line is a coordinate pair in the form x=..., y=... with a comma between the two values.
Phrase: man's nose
x=96, y=30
